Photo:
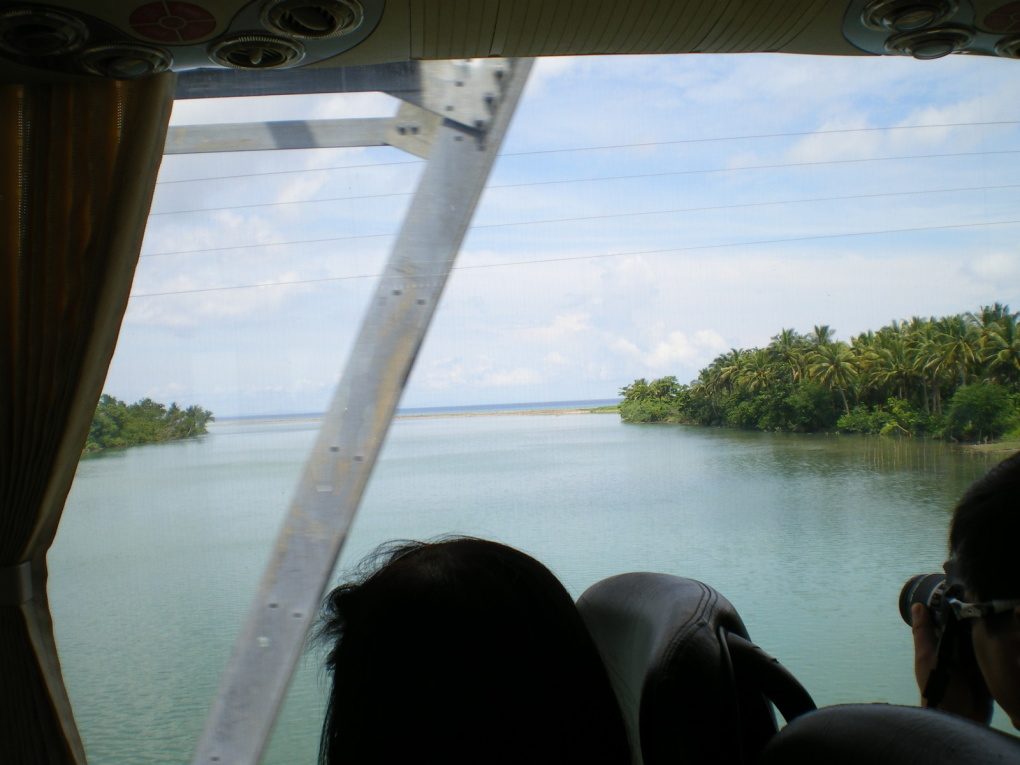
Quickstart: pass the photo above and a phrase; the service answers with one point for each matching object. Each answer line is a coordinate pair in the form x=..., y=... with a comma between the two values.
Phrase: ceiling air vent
x=34, y=31
x=906, y=15
x=930, y=43
x=255, y=51
x=312, y=19
x=124, y=61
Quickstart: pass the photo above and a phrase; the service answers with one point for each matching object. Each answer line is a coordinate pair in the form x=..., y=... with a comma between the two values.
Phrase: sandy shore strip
x=494, y=413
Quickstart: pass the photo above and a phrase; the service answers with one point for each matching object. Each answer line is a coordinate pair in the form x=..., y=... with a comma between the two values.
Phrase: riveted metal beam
x=327, y=498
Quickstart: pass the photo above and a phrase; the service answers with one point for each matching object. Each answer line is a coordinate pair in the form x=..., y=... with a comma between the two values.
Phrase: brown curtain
x=78, y=164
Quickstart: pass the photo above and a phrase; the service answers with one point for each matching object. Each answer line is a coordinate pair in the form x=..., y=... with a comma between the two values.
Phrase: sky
x=645, y=215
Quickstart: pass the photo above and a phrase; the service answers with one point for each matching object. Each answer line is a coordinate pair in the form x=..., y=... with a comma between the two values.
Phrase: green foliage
x=118, y=424
x=896, y=417
x=896, y=380
x=656, y=401
x=648, y=410
x=980, y=411
x=863, y=419
x=808, y=409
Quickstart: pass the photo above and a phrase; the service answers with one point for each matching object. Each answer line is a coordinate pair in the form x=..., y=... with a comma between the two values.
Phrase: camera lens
x=925, y=589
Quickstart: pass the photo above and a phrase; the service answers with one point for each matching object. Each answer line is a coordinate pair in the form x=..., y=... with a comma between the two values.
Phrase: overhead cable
x=591, y=257
x=782, y=166
x=711, y=208
x=603, y=147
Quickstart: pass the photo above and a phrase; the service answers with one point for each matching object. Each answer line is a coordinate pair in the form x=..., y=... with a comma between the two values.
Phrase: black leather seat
x=694, y=689
x=882, y=734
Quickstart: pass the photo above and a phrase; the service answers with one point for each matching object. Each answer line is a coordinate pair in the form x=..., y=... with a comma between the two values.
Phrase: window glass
x=646, y=216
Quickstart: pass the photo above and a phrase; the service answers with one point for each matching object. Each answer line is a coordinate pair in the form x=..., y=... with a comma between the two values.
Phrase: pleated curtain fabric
x=78, y=164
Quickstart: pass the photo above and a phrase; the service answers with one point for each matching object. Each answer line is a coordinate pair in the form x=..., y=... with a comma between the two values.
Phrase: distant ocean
x=525, y=406
x=521, y=407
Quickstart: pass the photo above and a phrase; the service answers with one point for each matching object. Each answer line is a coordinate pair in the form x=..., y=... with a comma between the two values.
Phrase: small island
x=955, y=377
x=117, y=424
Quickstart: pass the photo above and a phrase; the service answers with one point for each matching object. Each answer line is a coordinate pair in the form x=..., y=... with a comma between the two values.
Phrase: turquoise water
x=811, y=538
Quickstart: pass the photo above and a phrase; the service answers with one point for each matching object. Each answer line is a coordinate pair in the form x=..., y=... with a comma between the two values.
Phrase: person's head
x=984, y=537
x=463, y=650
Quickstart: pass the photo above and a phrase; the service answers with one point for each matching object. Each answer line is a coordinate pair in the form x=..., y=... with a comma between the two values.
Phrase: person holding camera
x=966, y=627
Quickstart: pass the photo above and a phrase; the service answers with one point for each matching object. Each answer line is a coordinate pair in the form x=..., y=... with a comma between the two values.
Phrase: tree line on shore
x=953, y=377
x=144, y=422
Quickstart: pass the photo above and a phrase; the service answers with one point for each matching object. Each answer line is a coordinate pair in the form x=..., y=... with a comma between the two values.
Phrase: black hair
x=463, y=651
x=985, y=533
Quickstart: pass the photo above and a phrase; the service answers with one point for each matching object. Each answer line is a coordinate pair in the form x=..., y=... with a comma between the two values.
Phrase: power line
x=645, y=144
x=602, y=217
x=592, y=257
x=749, y=204
x=759, y=167
x=280, y=204
x=267, y=244
x=763, y=135
x=606, y=178
x=291, y=172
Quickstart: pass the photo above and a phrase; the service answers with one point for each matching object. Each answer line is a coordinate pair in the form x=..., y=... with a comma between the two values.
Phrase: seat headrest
x=882, y=734
x=664, y=640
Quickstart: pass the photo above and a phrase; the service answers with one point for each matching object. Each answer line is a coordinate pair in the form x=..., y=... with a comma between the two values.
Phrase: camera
x=931, y=591
x=934, y=591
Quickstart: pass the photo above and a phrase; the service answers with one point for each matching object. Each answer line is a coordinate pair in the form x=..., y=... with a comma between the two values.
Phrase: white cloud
x=550, y=72
x=510, y=378
x=830, y=145
x=673, y=350
x=167, y=392
x=205, y=111
x=562, y=327
x=998, y=267
x=194, y=305
x=301, y=188
x=478, y=373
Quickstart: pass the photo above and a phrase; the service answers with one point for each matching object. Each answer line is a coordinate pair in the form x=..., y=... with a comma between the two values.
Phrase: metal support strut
x=327, y=497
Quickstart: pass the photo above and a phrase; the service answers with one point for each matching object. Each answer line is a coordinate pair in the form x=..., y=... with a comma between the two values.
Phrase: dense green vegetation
x=954, y=377
x=144, y=422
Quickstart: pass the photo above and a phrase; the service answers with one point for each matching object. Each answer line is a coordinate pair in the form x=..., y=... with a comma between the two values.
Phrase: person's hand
x=967, y=694
x=925, y=646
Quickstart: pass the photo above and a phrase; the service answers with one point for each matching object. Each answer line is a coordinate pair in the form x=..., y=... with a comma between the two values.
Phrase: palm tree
x=731, y=367
x=833, y=365
x=892, y=366
x=822, y=334
x=708, y=380
x=956, y=347
x=636, y=391
x=757, y=369
x=989, y=315
x=867, y=358
x=1001, y=348
x=788, y=348
x=664, y=389
x=919, y=335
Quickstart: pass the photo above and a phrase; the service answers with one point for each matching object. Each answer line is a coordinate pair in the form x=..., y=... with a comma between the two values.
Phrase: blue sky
x=646, y=214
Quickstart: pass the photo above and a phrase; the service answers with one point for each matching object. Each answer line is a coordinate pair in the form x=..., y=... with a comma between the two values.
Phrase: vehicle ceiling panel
x=70, y=38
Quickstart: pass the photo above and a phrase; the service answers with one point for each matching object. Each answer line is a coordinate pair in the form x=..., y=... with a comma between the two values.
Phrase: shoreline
x=430, y=415
x=506, y=413
x=1006, y=445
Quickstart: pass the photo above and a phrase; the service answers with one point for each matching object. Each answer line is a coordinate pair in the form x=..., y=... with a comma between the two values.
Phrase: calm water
x=811, y=538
